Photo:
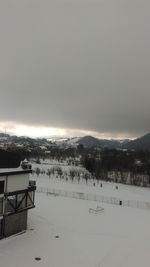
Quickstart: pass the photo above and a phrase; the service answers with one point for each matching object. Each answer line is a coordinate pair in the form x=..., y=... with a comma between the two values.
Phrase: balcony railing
x=19, y=200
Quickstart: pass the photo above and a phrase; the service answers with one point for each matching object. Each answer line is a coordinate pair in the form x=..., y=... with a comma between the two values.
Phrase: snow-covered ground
x=63, y=233
x=117, y=237
x=124, y=192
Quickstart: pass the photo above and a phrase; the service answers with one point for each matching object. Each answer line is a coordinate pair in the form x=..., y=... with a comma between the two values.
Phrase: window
x=1, y=206
x=1, y=187
x=11, y=203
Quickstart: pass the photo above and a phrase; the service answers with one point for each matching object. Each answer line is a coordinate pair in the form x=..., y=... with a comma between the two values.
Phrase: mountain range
x=142, y=143
x=139, y=144
x=90, y=141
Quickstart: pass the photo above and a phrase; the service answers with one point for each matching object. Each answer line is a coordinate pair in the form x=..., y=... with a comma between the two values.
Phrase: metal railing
x=94, y=197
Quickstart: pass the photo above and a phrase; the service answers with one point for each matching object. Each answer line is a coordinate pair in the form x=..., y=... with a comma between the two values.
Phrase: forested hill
x=139, y=144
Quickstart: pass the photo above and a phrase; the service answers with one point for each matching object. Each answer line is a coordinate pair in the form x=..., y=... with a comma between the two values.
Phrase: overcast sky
x=75, y=66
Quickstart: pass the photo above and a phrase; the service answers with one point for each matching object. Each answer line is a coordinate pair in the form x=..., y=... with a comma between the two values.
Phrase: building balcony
x=15, y=202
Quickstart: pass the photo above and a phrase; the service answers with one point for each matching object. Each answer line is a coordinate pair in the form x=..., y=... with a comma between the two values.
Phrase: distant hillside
x=140, y=144
x=90, y=141
x=3, y=135
x=7, y=141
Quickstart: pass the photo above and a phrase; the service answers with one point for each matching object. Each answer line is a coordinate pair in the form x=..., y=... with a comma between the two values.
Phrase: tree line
x=120, y=166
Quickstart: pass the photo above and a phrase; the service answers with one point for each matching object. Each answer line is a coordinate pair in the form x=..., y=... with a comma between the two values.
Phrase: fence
x=94, y=197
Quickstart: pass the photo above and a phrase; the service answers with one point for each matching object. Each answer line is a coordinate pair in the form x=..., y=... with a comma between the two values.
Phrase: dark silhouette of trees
x=9, y=159
x=120, y=163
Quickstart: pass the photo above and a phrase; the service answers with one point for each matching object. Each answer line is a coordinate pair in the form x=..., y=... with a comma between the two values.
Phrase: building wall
x=17, y=182
x=15, y=223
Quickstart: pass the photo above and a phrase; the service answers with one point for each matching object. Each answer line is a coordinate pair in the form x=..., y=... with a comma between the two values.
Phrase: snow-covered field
x=63, y=233
x=108, y=189
x=117, y=237
x=125, y=192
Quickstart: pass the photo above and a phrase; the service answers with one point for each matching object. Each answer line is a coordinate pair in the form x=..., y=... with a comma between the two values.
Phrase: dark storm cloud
x=76, y=64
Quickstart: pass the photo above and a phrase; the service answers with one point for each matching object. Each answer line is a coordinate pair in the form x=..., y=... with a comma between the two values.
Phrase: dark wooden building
x=16, y=198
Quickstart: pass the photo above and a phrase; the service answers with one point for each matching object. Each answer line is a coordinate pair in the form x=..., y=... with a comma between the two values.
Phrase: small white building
x=16, y=198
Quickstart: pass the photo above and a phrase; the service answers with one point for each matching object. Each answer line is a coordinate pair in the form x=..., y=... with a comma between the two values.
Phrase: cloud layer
x=76, y=64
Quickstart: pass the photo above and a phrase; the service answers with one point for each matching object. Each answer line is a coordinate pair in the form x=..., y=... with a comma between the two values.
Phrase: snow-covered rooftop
x=13, y=171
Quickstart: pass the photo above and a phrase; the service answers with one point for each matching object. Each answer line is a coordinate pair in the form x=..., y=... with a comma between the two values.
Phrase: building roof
x=13, y=171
